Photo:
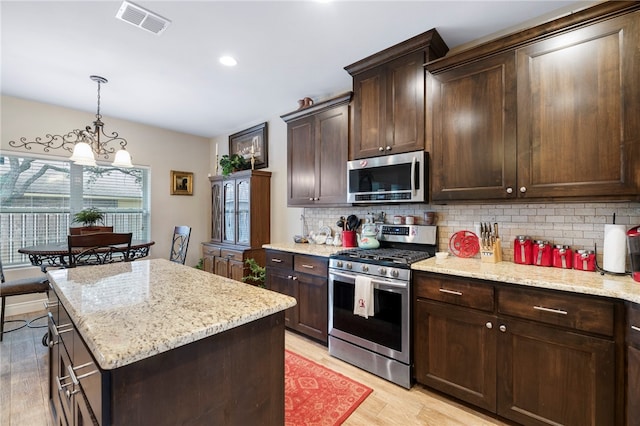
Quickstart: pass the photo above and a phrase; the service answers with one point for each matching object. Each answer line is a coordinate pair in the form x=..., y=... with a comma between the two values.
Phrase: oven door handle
x=386, y=283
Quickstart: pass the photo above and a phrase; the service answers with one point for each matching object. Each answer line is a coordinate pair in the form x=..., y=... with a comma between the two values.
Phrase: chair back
x=99, y=248
x=1, y=271
x=80, y=230
x=179, y=244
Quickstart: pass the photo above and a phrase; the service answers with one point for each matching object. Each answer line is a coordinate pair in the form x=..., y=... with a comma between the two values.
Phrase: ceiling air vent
x=142, y=18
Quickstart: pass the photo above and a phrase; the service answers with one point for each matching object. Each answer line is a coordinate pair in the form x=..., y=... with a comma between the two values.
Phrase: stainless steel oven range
x=379, y=343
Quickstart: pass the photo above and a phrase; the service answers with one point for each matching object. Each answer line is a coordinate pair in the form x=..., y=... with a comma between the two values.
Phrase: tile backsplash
x=579, y=225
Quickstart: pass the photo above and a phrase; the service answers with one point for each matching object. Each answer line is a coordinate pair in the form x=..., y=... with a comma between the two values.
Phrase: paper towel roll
x=615, y=248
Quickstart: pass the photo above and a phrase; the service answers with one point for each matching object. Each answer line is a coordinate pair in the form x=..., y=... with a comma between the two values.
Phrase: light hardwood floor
x=24, y=395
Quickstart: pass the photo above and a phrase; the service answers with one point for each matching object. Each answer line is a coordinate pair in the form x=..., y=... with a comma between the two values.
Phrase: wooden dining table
x=57, y=254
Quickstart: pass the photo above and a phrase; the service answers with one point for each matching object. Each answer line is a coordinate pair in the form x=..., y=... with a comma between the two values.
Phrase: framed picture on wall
x=251, y=142
x=181, y=183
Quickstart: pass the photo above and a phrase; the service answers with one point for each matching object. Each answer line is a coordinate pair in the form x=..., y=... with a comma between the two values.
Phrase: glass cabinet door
x=216, y=212
x=229, y=197
x=243, y=212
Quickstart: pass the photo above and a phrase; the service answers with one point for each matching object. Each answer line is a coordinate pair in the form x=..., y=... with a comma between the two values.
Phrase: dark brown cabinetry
x=389, y=97
x=532, y=356
x=317, y=152
x=304, y=278
x=633, y=364
x=198, y=383
x=240, y=222
x=547, y=113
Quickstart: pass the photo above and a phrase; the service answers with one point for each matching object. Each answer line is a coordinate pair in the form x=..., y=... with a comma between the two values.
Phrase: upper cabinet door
x=579, y=112
x=243, y=211
x=216, y=211
x=472, y=112
x=301, y=157
x=229, y=216
x=389, y=108
x=332, y=138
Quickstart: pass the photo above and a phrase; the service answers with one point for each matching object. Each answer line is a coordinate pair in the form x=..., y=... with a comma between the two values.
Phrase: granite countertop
x=130, y=311
x=620, y=287
x=310, y=249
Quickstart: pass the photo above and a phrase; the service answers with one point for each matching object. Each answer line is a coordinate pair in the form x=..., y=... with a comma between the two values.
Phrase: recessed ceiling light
x=228, y=61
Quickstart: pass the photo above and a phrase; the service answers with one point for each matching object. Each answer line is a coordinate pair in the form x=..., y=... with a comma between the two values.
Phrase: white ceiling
x=286, y=50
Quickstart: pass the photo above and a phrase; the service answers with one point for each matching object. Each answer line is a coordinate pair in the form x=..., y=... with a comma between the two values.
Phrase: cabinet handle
x=48, y=304
x=523, y=189
x=444, y=290
x=276, y=260
x=388, y=148
x=489, y=325
x=509, y=190
x=503, y=328
x=311, y=199
x=553, y=311
x=380, y=149
x=633, y=327
x=292, y=277
x=308, y=266
x=58, y=329
x=72, y=372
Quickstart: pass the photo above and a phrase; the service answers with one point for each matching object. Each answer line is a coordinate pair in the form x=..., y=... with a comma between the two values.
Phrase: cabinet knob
x=294, y=278
x=388, y=148
x=509, y=190
x=311, y=199
x=503, y=328
x=489, y=325
x=523, y=189
x=380, y=149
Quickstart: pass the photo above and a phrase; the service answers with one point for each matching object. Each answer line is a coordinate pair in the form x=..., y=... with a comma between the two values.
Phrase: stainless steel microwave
x=398, y=178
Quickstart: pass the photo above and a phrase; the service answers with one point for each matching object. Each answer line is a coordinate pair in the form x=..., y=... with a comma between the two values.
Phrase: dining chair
x=179, y=244
x=80, y=230
x=99, y=248
x=19, y=287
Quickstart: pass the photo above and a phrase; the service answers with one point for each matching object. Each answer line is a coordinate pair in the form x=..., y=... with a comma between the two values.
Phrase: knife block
x=491, y=254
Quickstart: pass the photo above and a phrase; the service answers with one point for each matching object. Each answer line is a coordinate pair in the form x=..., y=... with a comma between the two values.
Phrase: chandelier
x=84, y=143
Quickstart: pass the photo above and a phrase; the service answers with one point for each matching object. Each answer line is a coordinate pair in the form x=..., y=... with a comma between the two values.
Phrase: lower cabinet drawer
x=278, y=259
x=313, y=265
x=454, y=291
x=231, y=254
x=567, y=310
x=208, y=250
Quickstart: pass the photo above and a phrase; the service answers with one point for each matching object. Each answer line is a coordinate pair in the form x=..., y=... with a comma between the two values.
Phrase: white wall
x=161, y=150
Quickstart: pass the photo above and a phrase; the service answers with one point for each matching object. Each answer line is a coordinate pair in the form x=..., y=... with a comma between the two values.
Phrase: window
x=38, y=198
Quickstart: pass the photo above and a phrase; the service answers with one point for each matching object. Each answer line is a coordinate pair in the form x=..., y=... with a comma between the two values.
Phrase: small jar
x=562, y=257
x=584, y=260
x=542, y=253
x=523, y=250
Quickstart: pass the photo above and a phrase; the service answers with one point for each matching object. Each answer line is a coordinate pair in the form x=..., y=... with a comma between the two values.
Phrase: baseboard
x=24, y=307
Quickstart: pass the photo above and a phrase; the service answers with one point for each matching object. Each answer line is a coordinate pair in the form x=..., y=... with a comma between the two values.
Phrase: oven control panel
x=419, y=234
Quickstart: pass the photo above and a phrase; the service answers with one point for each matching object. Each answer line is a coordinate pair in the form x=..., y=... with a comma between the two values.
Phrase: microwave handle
x=413, y=175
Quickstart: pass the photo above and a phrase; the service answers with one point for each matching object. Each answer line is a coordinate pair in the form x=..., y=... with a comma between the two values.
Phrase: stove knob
x=365, y=268
x=339, y=263
x=382, y=271
x=349, y=266
x=394, y=273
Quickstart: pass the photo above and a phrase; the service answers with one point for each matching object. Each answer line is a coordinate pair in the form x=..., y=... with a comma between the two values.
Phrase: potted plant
x=257, y=275
x=89, y=217
x=232, y=163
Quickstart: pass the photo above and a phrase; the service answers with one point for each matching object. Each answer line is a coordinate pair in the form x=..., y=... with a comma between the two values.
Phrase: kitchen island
x=155, y=342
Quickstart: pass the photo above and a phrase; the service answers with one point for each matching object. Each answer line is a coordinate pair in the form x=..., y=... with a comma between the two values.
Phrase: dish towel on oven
x=363, y=297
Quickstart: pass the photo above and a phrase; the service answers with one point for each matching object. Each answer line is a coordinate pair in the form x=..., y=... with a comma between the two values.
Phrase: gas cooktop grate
x=400, y=256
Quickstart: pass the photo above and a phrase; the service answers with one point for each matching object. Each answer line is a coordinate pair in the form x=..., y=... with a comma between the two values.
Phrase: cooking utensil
x=340, y=223
x=352, y=222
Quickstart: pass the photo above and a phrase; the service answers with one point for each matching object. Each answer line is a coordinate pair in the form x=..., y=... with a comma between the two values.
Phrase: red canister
x=562, y=257
x=523, y=250
x=542, y=253
x=584, y=260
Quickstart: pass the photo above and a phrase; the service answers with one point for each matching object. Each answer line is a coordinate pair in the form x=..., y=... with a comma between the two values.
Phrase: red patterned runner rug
x=315, y=395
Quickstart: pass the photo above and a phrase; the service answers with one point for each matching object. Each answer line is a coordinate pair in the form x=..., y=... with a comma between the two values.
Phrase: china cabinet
x=317, y=152
x=389, y=97
x=240, y=222
x=546, y=113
